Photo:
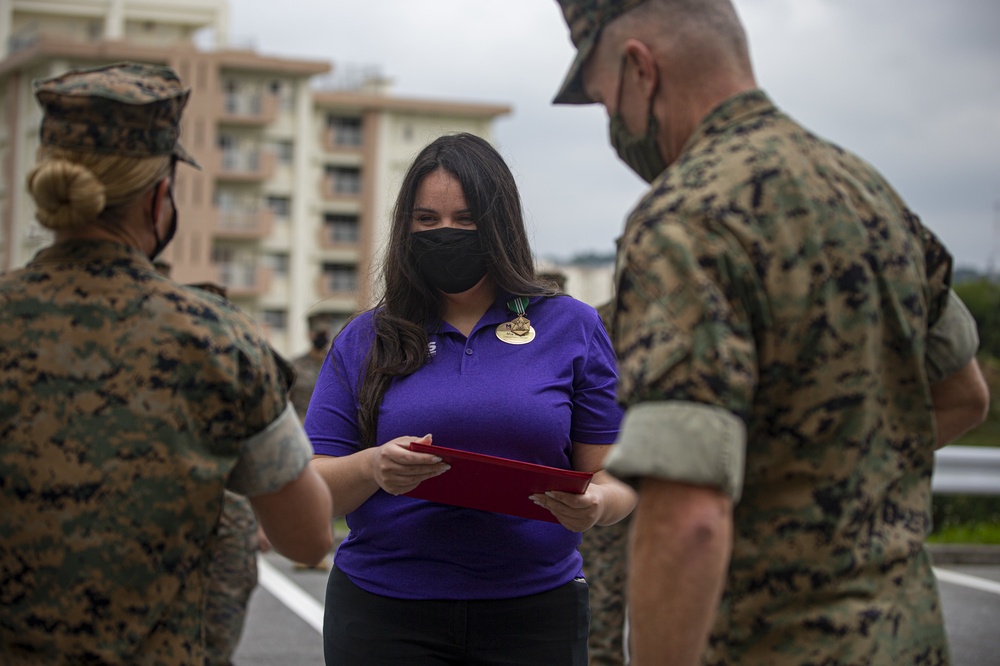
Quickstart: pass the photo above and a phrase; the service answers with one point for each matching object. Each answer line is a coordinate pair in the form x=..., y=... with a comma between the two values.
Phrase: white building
x=297, y=181
x=587, y=282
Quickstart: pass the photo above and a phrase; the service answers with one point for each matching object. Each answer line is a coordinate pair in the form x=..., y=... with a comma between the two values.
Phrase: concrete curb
x=946, y=553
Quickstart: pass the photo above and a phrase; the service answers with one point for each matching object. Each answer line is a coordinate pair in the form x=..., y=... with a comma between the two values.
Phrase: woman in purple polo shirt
x=418, y=582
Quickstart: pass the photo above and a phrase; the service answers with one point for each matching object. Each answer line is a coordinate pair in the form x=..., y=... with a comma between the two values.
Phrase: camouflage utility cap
x=586, y=19
x=129, y=109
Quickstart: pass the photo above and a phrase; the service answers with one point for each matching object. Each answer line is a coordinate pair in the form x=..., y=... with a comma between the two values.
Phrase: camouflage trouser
x=604, y=551
x=232, y=577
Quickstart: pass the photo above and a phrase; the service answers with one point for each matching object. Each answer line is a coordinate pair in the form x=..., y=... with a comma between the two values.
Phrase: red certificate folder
x=500, y=485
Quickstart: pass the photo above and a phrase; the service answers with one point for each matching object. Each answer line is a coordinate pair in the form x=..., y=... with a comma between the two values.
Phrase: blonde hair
x=72, y=188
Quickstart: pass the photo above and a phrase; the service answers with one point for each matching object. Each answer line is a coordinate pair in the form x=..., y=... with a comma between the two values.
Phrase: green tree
x=982, y=297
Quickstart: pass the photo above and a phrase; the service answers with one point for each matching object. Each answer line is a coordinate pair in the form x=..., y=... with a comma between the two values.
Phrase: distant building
x=299, y=176
x=590, y=282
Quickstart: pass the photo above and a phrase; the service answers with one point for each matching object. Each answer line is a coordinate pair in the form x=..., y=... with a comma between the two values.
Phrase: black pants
x=364, y=629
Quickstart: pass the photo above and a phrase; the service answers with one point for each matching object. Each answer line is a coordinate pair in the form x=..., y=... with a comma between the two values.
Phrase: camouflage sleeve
x=686, y=296
x=952, y=341
x=273, y=457
x=681, y=441
x=937, y=264
x=688, y=364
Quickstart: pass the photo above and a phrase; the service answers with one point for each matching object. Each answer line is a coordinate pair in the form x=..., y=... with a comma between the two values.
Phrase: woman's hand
x=576, y=513
x=606, y=501
x=398, y=470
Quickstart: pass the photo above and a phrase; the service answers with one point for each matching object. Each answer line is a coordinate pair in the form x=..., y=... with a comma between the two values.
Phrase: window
x=284, y=93
x=346, y=131
x=340, y=277
x=275, y=320
x=277, y=263
x=231, y=90
x=341, y=228
x=285, y=151
x=344, y=180
x=280, y=206
x=222, y=255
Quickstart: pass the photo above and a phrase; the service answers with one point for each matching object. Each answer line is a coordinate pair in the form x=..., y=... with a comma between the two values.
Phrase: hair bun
x=66, y=194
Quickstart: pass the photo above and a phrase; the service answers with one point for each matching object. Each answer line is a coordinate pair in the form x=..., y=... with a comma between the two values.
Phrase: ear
x=644, y=63
x=157, y=197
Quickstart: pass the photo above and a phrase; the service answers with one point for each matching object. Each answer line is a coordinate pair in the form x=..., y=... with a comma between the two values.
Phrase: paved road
x=284, y=621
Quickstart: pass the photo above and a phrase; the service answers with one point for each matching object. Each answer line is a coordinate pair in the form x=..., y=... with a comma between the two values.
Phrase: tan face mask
x=640, y=153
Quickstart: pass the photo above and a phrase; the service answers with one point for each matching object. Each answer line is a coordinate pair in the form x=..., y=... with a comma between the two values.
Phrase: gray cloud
x=911, y=86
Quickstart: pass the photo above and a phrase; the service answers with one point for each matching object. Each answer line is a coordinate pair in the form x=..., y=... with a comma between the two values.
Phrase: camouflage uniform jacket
x=127, y=404
x=772, y=282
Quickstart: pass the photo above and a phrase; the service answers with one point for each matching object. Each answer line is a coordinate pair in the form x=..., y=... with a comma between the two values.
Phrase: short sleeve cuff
x=272, y=458
x=952, y=342
x=681, y=441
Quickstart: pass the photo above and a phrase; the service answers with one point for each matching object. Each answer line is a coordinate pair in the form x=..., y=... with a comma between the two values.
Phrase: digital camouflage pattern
x=605, y=564
x=124, y=402
x=232, y=577
x=774, y=275
x=128, y=108
x=586, y=19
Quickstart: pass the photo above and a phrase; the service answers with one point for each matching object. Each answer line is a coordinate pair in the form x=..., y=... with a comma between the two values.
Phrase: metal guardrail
x=966, y=470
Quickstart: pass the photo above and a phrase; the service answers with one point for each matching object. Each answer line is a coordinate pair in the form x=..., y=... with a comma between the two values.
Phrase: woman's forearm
x=619, y=498
x=349, y=479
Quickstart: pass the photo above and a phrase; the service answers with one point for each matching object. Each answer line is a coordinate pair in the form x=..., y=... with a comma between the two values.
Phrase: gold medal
x=517, y=331
x=507, y=334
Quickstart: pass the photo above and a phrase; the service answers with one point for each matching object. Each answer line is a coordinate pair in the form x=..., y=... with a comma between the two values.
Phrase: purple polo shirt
x=527, y=402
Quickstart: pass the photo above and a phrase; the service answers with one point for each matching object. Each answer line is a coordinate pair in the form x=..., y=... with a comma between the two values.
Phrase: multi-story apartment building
x=298, y=178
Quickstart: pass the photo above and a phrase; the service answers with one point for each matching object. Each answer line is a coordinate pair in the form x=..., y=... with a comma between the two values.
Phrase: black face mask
x=451, y=260
x=162, y=243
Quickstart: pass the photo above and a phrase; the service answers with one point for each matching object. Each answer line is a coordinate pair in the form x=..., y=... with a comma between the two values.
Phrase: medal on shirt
x=518, y=331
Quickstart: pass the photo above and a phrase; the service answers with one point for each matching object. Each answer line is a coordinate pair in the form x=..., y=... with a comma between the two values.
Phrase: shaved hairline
x=697, y=27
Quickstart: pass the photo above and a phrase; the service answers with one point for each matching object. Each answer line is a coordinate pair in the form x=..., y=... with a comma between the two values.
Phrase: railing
x=966, y=470
x=249, y=108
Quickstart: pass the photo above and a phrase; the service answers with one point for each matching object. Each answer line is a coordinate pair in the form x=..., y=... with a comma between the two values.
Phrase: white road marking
x=965, y=580
x=290, y=594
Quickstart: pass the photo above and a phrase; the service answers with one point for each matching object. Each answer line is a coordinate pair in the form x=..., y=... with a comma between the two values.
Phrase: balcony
x=248, y=109
x=341, y=186
x=246, y=165
x=68, y=30
x=243, y=225
x=244, y=280
x=339, y=289
x=336, y=140
x=330, y=237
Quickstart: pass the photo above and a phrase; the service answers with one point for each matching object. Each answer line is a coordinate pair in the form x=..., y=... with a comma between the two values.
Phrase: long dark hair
x=409, y=306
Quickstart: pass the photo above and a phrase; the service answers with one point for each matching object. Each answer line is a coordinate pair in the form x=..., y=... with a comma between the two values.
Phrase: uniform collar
x=736, y=110
x=90, y=251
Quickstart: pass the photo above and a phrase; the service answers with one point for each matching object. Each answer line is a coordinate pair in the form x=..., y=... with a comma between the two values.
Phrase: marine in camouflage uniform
x=307, y=366
x=605, y=562
x=232, y=573
x=780, y=315
x=128, y=403
x=232, y=577
x=786, y=289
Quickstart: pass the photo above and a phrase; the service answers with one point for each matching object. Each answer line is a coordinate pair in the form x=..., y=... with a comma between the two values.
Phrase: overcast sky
x=912, y=86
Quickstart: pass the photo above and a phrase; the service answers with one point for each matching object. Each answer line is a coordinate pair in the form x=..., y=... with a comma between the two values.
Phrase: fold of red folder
x=490, y=483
